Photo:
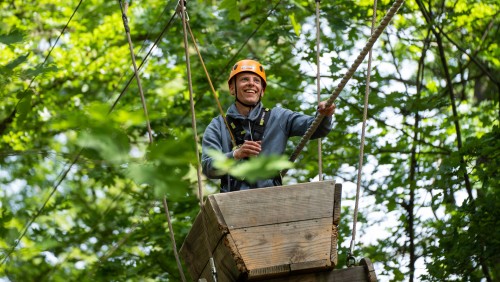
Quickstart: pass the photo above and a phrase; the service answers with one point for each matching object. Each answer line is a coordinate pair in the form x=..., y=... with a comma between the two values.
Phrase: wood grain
x=266, y=206
x=285, y=243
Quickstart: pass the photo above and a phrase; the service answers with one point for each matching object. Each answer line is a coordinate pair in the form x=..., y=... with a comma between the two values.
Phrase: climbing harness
x=256, y=133
x=257, y=128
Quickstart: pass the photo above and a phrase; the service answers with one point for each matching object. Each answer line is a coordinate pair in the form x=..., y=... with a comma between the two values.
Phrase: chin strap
x=244, y=104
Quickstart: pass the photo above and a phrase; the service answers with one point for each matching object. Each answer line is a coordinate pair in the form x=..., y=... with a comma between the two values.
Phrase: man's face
x=249, y=87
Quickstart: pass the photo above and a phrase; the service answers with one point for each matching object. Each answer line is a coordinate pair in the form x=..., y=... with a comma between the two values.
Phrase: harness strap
x=258, y=128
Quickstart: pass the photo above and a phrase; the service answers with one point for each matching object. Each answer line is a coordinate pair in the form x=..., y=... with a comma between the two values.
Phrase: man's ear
x=231, y=88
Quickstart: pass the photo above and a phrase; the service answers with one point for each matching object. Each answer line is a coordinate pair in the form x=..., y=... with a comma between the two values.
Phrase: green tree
x=82, y=185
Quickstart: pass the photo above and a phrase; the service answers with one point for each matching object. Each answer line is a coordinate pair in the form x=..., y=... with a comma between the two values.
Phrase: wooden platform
x=266, y=233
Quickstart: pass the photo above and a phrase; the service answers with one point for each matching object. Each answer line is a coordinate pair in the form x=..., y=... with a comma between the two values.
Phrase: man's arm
x=212, y=140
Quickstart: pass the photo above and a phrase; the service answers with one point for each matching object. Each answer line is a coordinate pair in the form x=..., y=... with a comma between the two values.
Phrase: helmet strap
x=239, y=101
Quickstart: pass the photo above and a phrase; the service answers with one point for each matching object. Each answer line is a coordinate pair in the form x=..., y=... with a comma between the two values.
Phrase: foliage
x=82, y=185
x=258, y=168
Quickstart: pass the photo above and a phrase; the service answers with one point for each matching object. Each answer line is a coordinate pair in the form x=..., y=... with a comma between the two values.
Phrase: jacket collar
x=254, y=113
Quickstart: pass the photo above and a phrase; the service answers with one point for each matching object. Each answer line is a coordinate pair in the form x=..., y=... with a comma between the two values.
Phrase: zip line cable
x=47, y=57
x=140, y=51
x=183, y=12
x=350, y=256
x=94, y=227
x=55, y=43
x=318, y=87
x=167, y=26
x=63, y=174
x=373, y=38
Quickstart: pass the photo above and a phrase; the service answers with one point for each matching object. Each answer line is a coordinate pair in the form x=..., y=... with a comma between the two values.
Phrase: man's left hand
x=323, y=110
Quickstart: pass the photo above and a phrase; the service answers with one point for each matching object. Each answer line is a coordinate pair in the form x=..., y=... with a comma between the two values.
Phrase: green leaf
x=16, y=62
x=24, y=107
x=232, y=8
x=111, y=144
x=296, y=26
x=261, y=167
x=13, y=37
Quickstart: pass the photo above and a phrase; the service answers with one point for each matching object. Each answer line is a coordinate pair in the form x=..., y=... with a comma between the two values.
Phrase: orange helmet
x=248, y=66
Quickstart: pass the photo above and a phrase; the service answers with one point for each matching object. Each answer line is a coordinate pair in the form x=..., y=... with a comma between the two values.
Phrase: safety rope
x=153, y=46
x=124, y=9
x=172, y=238
x=318, y=87
x=261, y=22
x=183, y=12
x=373, y=38
x=351, y=261
x=221, y=111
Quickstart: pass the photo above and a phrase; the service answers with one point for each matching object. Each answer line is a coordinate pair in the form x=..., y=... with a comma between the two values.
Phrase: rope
x=312, y=128
x=183, y=12
x=124, y=9
x=62, y=176
x=223, y=69
x=350, y=256
x=145, y=58
x=167, y=26
x=221, y=111
x=172, y=238
x=318, y=87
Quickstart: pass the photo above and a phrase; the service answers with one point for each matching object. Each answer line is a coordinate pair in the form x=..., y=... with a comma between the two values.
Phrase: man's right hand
x=247, y=149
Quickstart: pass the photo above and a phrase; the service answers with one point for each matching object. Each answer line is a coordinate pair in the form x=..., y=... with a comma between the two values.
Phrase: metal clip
x=179, y=8
x=351, y=260
x=214, y=270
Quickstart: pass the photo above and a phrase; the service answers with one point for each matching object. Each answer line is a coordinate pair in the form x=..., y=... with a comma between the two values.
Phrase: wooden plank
x=337, y=208
x=309, y=266
x=353, y=274
x=276, y=245
x=269, y=272
x=228, y=263
x=334, y=248
x=267, y=206
x=194, y=251
x=369, y=269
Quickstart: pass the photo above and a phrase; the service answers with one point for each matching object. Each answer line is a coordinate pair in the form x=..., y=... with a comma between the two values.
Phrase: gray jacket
x=281, y=125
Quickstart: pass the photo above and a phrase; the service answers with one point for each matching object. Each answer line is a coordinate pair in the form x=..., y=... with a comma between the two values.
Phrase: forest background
x=82, y=186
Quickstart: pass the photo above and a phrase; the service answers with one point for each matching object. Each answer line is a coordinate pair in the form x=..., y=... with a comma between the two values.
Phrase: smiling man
x=257, y=130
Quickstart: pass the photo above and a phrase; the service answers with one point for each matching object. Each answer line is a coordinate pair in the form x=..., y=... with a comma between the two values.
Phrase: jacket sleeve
x=213, y=139
x=296, y=124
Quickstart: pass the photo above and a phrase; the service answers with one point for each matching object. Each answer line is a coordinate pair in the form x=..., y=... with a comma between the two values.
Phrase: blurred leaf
x=261, y=167
x=15, y=36
x=111, y=144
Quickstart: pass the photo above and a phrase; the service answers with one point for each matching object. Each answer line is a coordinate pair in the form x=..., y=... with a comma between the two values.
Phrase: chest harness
x=240, y=135
x=257, y=128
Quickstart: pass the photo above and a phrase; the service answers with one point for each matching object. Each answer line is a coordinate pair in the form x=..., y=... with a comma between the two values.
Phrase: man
x=257, y=130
